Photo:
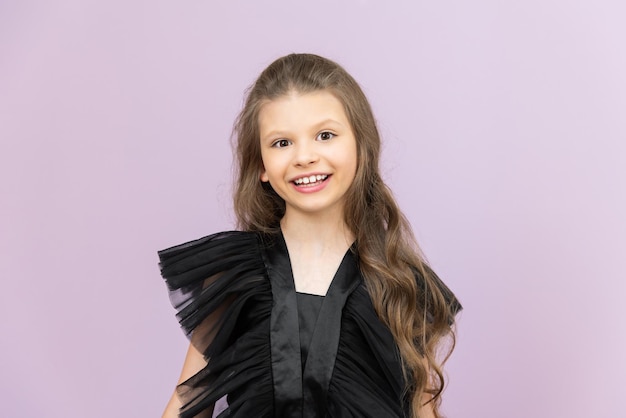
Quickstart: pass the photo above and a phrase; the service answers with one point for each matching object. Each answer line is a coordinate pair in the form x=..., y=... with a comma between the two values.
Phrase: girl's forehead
x=298, y=109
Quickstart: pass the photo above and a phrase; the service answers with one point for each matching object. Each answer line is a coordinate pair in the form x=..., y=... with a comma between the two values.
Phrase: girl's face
x=309, y=152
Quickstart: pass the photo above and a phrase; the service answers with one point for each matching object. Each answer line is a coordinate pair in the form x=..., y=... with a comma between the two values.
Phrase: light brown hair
x=419, y=315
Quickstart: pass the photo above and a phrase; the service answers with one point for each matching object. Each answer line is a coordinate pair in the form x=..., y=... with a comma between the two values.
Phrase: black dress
x=234, y=292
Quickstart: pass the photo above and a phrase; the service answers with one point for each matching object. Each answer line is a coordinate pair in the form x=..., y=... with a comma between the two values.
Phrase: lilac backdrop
x=505, y=143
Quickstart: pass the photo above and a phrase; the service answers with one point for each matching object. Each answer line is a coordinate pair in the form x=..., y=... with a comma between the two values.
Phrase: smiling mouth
x=310, y=180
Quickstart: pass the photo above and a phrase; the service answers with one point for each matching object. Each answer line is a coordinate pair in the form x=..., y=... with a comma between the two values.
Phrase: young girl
x=321, y=305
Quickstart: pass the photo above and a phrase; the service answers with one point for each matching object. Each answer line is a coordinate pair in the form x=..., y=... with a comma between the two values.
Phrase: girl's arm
x=194, y=362
x=426, y=411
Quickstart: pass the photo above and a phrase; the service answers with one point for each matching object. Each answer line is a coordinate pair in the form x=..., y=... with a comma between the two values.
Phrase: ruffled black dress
x=236, y=300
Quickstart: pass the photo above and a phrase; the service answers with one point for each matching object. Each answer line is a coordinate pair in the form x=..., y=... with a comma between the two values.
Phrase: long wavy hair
x=419, y=316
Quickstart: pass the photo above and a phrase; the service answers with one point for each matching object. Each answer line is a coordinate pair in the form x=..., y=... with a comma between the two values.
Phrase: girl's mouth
x=310, y=181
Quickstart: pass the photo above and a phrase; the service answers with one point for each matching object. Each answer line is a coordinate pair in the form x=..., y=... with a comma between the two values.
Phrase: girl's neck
x=316, y=231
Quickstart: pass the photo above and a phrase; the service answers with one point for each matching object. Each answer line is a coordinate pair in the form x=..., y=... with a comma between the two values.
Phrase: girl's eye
x=281, y=143
x=325, y=136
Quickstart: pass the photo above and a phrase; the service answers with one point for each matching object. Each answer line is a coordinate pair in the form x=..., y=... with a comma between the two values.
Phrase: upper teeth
x=310, y=179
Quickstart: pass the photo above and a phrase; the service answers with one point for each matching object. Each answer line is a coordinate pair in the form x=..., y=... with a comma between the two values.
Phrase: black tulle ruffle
x=223, y=297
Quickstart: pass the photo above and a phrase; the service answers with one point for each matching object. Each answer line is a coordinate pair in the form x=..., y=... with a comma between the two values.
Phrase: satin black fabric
x=236, y=300
x=308, y=311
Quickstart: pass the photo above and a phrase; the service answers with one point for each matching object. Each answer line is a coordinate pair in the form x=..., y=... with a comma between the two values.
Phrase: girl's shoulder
x=235, y=253
x=219, y=239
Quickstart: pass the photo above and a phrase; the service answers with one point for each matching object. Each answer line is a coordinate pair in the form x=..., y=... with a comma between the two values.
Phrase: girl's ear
x=263, y=175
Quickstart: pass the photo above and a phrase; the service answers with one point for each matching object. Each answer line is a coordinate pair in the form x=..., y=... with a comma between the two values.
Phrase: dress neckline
x=346, y=257
x=310, y=295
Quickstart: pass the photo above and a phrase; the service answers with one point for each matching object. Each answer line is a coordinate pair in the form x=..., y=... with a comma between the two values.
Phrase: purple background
x=505, y=143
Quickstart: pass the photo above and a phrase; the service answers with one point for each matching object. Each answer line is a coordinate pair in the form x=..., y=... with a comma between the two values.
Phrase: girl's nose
x=305, y=154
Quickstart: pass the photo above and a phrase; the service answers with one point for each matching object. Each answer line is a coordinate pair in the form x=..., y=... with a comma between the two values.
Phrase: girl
x=321, y=306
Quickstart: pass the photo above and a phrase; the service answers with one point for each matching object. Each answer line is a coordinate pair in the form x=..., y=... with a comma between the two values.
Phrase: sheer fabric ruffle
x=223, y=297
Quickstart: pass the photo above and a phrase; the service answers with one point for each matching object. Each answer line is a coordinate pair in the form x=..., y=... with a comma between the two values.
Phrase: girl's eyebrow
x=327, y=121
